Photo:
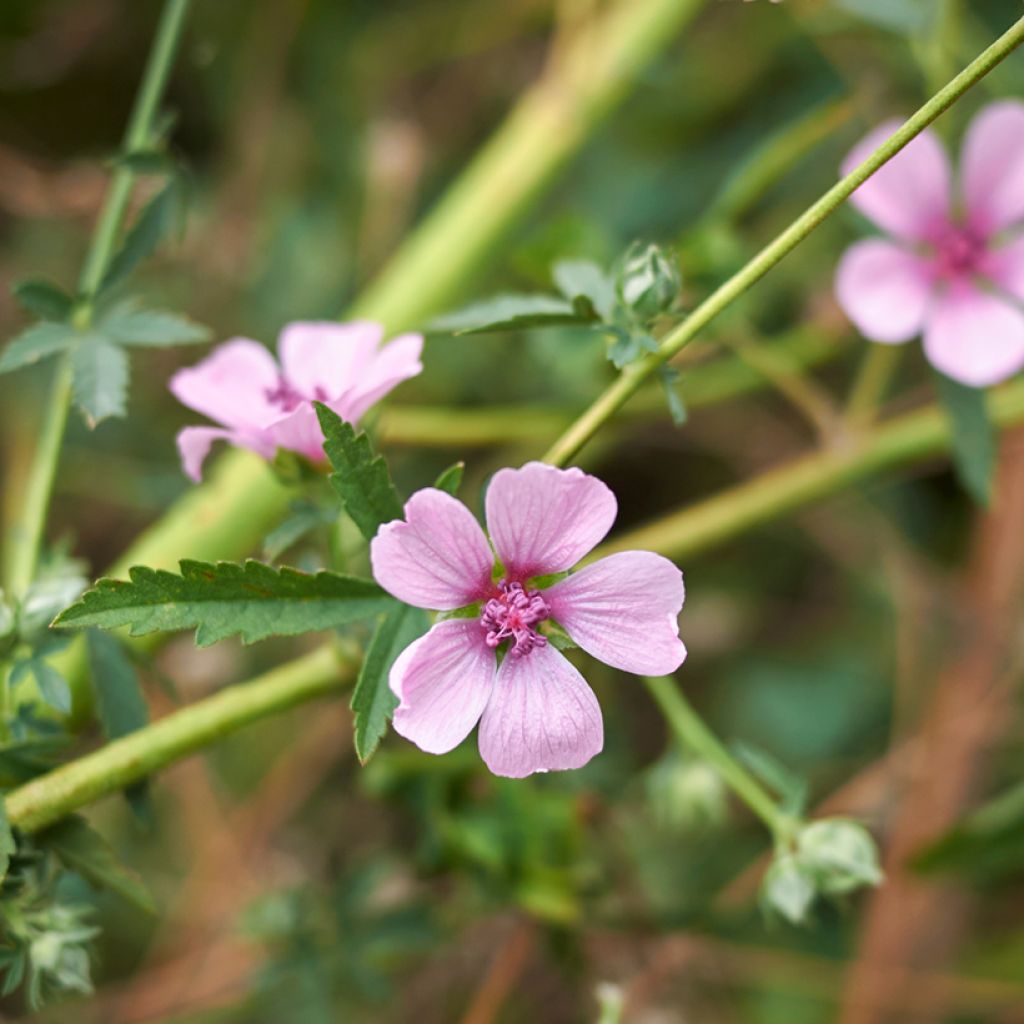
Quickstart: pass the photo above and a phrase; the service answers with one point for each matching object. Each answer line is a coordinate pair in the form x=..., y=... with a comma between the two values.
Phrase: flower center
x=287, y=397
x=513, y=614
x=958, y=253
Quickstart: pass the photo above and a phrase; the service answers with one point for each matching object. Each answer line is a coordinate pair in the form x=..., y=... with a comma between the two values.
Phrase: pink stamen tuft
x=959, y=252
x=512, y=615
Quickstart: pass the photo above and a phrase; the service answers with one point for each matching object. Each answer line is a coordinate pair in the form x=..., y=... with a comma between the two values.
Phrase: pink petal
x=194, y=445
x=884, y=290
x=231, y=385
x=1005, y=266
x=542, y=716
x=397, y=361
x=323, y=360
x=443, y=681
x=298, y=431
x=544, y=520
x=438, y=557
x=624, y=610
x=974, y=337
x=993, y=167
x=908, y=196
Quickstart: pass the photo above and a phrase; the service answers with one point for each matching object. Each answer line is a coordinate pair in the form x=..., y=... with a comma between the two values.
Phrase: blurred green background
x=296, y=886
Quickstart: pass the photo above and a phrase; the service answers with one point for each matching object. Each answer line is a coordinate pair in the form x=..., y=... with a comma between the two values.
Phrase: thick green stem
x=120, y=763
x=691, y=732
x=566, y=447
x=28, y=540
x=908, y=438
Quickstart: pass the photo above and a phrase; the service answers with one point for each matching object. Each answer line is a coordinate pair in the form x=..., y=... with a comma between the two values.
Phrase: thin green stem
x=691, y=732
x=607, y=404
x=24, y=553
x=870, y=386
x=133, y=757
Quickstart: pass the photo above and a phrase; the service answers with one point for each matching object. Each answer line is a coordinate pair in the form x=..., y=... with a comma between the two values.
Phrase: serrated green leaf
x=44, y=299
x=972, y=436
x=373, y=703
x=115, y=683
x=38, y=342
x=510, y=313
x=153, y=224
x=82, y=849
x=126, y=324
x=451, y=479
x=360, y=477
x=223, y=599
x=7, y=844
x=100, y=378
x=575, y=278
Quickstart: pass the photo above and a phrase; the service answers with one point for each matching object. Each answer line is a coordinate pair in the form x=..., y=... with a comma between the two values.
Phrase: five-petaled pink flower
x=494, y=664
x=265, y=407
x=953, y=268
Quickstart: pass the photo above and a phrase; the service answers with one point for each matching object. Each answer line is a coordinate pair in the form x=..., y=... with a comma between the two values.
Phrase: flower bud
x=686, y=794
x=840, y=853
x=648, y=281
x=788, y=888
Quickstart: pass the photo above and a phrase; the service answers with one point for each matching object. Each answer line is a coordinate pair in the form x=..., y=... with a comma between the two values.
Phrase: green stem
x=691, y=732
x=914, y=436
x=43, y=470
x=871, y=384
x=133, y=757
x=607, y=404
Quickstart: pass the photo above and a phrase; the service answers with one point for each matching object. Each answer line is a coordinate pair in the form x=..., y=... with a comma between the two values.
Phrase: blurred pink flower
x=536, y=712
x=952, y=268
x=265, y=407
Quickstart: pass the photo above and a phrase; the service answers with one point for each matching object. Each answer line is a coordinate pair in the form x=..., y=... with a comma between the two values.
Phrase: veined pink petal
x=194, y=445
x=624, y=610
x=992, y=167
x=443, y=681
x=437, y=557
x=231, y=385
x=544, y=520
x=910, y=195
x=398, y=360
x=1005, y=267
x=884, y=290
x=542, y=716
x=323, y=360
x=974, y=336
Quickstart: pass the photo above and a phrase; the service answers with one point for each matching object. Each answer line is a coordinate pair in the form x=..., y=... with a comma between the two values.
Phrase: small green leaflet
x=971, y=436
x=154, y=222
x=127, y=324
x=100, y=378
x=305, y=517
x=360, y=478
x=451, y=479
x=43, y=299
x=82, y=849
x=224, y=599
x=115, y=683
x=575, y=278
x=373, y=703
x=38, y=342
x=7, y=845
x=512, y=313
x=668, y=377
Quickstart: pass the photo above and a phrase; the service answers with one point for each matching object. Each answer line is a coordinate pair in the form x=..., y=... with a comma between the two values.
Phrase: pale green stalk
x=602, y=410
x=28, y=534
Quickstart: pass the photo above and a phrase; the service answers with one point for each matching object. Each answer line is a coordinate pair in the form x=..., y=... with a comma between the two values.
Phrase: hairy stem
x=607, y=404
x=691, y=732
x=24, y=552
x=121, y=762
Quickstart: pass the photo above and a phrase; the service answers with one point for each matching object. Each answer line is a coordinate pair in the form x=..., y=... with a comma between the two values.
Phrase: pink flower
x=536, y=712
x=265, y=407
x=953, y=268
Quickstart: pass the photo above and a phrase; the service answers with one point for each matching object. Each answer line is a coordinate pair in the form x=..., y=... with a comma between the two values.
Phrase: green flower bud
x=840, y=853
x=686, y=794
x=648, y=281
x=788, y=888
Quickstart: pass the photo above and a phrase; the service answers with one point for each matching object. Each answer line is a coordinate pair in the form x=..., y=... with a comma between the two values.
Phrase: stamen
x=286, y=396
x=958, y=253
x=512, y=615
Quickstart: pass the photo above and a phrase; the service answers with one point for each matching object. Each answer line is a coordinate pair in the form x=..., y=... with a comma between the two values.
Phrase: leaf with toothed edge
x=223, y=599
x=100, y=371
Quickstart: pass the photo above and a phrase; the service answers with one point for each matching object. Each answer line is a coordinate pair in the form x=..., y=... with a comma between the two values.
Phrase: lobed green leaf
x=100, y=378
x=38, y=342
x=126, y=324
x=44, y=299
x=225, y=599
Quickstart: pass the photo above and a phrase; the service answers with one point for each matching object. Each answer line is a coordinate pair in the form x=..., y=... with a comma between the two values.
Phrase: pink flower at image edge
x=263, y=406
x=536, y=712
x=950, y=270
